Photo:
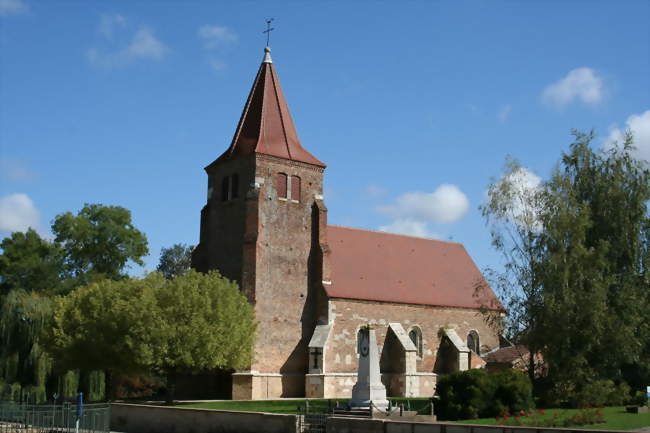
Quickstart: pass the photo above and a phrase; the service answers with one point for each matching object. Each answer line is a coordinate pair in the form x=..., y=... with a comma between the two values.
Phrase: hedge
x=477, y=394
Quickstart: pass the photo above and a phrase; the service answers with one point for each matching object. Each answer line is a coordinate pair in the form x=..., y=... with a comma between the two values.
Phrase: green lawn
x=617, y=419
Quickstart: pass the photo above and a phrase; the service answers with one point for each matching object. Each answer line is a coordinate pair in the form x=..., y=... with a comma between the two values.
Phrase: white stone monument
x=368, y=387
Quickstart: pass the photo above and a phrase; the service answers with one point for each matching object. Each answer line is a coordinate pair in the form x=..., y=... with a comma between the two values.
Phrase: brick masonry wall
x=285, y=297
x=348, y=316
x=222, y=222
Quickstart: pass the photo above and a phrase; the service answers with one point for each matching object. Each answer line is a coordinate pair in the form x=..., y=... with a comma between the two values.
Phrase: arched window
x=234, y=186
x=473, y=342
x=295, y=188
x=225, y=188
x=416, y=337
x=281, y=185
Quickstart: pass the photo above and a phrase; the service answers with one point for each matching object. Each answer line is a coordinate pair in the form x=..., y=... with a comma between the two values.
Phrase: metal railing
x=61, y=418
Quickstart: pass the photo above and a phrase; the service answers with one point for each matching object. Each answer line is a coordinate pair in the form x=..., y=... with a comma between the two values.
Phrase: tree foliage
x=95, y=244
x=595, y=267
x=30, y=263
x=208, y=324
x=99, y=240
x=108, y=325
x=23, y=362
x=578, y=268
x=512, y=212
x=189, y=323
x=175, y=260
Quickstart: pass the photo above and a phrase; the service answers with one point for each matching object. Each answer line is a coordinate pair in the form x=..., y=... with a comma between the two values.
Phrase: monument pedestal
x=368, y=387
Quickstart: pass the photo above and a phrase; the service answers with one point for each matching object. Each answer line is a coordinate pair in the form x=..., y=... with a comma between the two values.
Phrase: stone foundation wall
x=135, y=418
x=339, y=385
x=256, y=386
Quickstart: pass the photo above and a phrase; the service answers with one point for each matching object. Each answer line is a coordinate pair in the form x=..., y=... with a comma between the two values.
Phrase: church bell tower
x=264, y=226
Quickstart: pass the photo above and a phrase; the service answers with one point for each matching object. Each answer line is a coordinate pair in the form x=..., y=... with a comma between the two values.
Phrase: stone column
x=368, y=387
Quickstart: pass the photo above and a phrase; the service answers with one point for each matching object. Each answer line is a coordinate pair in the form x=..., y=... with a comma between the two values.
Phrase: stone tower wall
x=284, y=298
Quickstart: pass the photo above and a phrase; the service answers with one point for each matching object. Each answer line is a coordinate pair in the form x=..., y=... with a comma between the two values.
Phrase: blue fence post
x=80, y=410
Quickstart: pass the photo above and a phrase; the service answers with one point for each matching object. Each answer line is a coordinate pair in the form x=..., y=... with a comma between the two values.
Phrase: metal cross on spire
x=268, y=30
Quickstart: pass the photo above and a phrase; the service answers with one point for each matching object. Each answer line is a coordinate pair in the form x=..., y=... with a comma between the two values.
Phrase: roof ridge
x=397, y=234
x=277, y=101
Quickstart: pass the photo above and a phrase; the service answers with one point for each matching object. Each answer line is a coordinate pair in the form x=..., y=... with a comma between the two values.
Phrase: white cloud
x=216, y=36
x=639, y=125
x=412, y=212
x=217, y=65
x=144, y=45
x=13, y=7
x=409, y=227
x=17, y=213
x=375, y=191
x=108, y=23
x=583, y=84
x=504, y=113
x=444, y=205
x=14, y=171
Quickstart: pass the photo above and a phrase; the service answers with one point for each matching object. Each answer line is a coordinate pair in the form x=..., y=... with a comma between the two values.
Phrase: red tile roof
x=378, y=266
x=508, y=354
x=265, y=125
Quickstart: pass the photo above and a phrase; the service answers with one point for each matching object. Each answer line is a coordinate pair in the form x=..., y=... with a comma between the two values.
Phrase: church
x=314, y=285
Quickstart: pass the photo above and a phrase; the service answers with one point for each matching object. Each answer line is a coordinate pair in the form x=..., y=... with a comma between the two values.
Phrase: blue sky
x=414, y=106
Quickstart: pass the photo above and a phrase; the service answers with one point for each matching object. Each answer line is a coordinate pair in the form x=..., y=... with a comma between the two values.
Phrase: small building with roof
x=314, y=285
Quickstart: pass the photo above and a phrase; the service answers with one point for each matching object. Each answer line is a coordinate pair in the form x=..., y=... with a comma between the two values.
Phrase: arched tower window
x=473, y=342
x=225, y=188
x=234, y=186
x=281, y=185
x=415, y=335
x=295, y=188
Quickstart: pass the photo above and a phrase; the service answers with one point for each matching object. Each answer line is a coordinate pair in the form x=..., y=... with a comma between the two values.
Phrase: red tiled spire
x=265, y=125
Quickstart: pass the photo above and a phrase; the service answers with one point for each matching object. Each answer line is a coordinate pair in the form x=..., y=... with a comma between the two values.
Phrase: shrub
x=620, y=395
x=602, y=393
x=512, y=391
x=640, y=399
x=530, y=419
x=474, y=393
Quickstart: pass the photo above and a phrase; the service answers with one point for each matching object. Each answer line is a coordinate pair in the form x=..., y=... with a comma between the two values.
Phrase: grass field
x=617, y=418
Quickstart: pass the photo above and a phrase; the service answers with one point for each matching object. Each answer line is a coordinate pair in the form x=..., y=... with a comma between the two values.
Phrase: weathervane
x=268, y=30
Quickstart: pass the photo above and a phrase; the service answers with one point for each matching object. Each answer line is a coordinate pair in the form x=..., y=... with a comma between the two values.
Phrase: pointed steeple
x=266, y=126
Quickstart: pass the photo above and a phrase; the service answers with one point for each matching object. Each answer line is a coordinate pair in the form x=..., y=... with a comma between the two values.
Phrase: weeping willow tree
x=27, y=370
x=24, y=365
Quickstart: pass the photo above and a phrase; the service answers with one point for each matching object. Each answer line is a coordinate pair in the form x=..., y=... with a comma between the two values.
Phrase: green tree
x=175, y=260
x=512, y=215
x=577, y=264
x=190, y=323
x=29, y=262
x=108, y=325
x=596, y=269
x=99, y=241
x=23, y=363
x=208, y=324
